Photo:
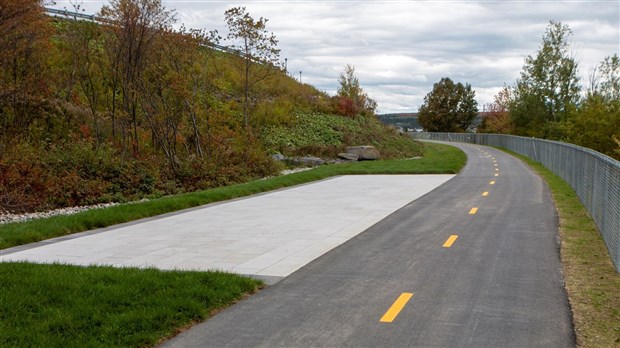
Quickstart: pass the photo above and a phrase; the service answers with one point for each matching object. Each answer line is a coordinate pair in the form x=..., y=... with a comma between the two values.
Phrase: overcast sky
x=401, y=48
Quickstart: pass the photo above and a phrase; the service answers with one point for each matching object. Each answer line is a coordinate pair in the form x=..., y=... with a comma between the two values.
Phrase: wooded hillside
x=132, y=107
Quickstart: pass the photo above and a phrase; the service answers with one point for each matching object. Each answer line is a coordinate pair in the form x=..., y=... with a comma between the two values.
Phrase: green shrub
x=325, y=135
x=39, y=177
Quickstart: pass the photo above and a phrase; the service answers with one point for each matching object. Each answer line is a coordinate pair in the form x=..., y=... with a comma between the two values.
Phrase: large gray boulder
x=365, y=152
x=308, y=161
x=348, y=156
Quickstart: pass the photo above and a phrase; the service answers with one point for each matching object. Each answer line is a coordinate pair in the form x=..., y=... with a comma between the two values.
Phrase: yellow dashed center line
x=450, y=241
x=398, y=306
x=404, y=298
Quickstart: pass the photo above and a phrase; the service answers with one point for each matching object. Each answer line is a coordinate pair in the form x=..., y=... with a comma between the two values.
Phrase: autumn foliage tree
x=119, y=108
x=547, y=102
x=85, y=71
x=258, y=48
x=351, y=98
x=138, y=25
x=497, y=118
x=596, y=123
x=25, y=33
x=128, y=105
x=449, y=107
x=606, y=79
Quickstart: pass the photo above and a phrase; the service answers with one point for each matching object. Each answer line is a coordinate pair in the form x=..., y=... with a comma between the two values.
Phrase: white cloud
x=401, y=48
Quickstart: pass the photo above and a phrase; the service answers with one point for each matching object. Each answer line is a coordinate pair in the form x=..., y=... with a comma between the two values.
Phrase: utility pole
x=285, y=66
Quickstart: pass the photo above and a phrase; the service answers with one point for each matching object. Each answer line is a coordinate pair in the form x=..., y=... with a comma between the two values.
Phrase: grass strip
x=591, y=281
x=437, y=159
x=72, y=306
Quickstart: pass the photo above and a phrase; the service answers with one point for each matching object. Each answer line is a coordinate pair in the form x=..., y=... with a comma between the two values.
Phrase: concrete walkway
x=268, y=236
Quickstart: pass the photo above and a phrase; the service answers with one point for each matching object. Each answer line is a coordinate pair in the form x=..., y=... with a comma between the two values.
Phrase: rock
x=308, y=161
x=278, y=157
x=348, y=156
x=366, y=152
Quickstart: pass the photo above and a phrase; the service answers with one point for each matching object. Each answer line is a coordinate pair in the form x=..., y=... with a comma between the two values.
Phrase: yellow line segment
x=492, y=183
x=485, y=193
x=473, y=211
x=398, y=306
x=496, y=174
x=450, y=241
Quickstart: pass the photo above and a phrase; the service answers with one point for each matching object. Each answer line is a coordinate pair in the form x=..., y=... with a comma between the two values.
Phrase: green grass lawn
x=437, y=159
x=72, y=306
x=592, y=283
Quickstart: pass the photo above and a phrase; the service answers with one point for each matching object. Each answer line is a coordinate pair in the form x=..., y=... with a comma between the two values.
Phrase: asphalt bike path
x=474, y=263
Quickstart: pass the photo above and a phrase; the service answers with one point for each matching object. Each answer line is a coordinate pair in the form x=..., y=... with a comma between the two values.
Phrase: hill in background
x=409, y=120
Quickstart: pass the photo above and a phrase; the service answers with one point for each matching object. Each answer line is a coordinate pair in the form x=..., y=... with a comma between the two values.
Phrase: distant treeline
x=410, y=120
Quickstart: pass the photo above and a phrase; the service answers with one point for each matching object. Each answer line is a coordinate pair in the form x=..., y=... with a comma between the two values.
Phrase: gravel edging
x=7, y=218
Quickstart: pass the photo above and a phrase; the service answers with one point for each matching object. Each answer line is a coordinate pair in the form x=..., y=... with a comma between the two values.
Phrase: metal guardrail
x=75, y=15
x=594, y=177
x=81, y=16
x=70, y=14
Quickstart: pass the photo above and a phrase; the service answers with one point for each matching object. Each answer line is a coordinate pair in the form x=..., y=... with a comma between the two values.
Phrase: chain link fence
x=594, y=177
